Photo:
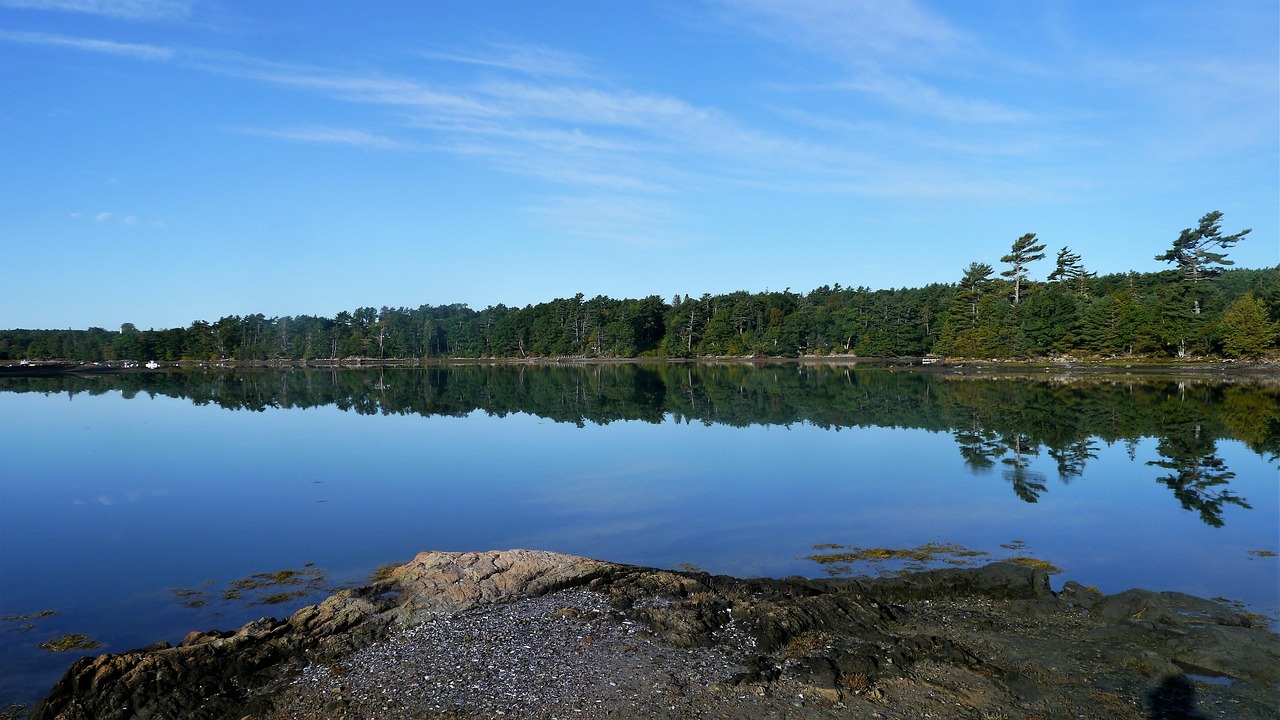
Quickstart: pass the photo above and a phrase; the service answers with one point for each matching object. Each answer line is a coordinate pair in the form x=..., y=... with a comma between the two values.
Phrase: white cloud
x=884, y=48
x=913, y=96
x=854, y=32
x=593, y=137
x=130, y=220
x=526, y=59
x=109, y=47
x=617, y=219
x=102, y=217
x=327, y=135
x=122, y=9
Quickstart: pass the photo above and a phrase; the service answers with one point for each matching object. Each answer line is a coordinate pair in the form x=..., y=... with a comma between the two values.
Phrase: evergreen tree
x=1246, y=329
x=1070, y=272
x=972, y=287
x=1024, y=252
x=1195, y=252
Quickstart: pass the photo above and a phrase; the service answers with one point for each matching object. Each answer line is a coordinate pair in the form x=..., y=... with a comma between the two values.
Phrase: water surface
x=131, y=504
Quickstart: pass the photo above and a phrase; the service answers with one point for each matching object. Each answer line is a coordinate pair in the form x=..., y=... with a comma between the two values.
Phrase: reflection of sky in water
x=106, y=504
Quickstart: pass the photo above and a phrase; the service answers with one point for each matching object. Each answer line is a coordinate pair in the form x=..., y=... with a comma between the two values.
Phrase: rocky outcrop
x=839, y=640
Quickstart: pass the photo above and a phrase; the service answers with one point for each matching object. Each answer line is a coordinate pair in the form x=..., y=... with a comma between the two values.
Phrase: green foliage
x=1195, y=252
x=1161, y=314
x=1025, y=251
x=1070, y=272
x=1246, y=330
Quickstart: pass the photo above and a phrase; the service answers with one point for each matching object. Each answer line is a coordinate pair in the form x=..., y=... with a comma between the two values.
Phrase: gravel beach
x=563, y=655
x=543, y=636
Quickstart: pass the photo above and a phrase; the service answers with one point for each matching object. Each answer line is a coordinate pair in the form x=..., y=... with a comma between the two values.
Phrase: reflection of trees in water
x=982, y=449
x=995, y=422
x=1073, y=457
x=979, y=448
x=1027, y=484
x=1199, y=476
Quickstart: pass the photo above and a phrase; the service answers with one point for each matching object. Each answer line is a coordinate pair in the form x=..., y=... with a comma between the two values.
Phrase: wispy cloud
x=884, y=49
x=531, y=60
x=110, y=47
x=122, y=9
x=618, y=219
x=853, y=32
x=576, y=133
x=109, y=218
x=322, y=134
x=916, y=97
x=617, y=154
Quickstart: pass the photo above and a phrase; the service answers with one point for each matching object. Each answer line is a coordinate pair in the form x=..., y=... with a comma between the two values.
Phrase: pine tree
x=1070, y=272
x=1024, y=252
x=1195, y=254
x=976, y=278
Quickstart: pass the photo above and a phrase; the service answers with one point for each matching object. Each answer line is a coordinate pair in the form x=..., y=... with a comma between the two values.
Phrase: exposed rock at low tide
x=535, y=634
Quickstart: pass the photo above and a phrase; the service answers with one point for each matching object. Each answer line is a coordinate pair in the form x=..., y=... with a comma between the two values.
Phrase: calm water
x=131, y=504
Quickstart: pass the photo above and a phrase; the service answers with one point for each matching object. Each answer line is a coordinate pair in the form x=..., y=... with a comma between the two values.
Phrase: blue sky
x=165, y=161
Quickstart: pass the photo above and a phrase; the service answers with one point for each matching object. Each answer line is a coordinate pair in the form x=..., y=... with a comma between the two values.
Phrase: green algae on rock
x=914, y=559
x=69, y=642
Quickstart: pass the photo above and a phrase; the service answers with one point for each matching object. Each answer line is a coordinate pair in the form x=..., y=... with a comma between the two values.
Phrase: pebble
x=567, y=654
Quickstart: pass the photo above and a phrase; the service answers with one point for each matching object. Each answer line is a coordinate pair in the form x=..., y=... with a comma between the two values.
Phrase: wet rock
x=1076, y=595
x=994, y=638
x=1005, y=581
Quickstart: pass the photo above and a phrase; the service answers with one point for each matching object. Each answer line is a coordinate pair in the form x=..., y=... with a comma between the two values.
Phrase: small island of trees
x=1199, y=306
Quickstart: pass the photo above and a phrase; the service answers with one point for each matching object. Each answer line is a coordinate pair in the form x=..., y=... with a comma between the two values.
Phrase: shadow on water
x=1174, y=699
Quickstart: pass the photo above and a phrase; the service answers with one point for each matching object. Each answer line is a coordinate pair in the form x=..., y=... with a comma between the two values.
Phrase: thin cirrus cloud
x=104, y=218
x=619, y=219
x=536, y=112
x=857, y=33
x=916, y=97
x=110, y=47
x=325, y=135
x=524, y=59
x=574, y=123
x=882, y=47
x=579, y=133
x=121, y=9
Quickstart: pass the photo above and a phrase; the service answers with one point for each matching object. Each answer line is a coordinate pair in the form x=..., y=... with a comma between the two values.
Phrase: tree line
x=1000, y=426
x=1197, y=307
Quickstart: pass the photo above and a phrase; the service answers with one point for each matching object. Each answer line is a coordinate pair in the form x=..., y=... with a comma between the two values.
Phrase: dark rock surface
x=987, y=642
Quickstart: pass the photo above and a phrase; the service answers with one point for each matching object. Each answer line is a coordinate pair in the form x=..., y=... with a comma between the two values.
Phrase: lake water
x=137, y=507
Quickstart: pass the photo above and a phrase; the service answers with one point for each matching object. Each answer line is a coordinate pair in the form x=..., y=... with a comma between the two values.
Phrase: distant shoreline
x=1226, y=369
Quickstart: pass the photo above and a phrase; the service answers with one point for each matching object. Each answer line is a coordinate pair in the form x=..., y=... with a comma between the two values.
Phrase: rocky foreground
x=529, y=634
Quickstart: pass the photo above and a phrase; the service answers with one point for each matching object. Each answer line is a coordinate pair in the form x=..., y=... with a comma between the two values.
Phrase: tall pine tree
x=1024, y=252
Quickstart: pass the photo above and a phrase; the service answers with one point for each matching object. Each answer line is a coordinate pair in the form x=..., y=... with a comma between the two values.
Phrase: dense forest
x=1198, y=307
x=999, y=425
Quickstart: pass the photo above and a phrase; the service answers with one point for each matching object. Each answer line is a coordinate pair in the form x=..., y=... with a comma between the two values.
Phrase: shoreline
x=535, y=634
x=1091, y=367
